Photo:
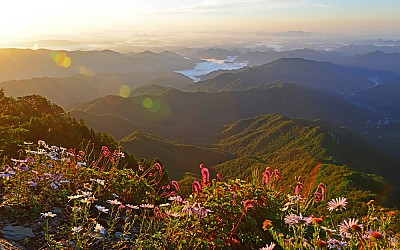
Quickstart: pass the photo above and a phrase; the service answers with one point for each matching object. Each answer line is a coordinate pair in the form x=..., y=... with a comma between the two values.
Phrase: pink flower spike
x=277, y=174
x=267, y=175
x=298, y=188
x=248, y=204
x=205, y=175
x=196, y=187
x=159, y=168
x=176, y=186
x=323, y=190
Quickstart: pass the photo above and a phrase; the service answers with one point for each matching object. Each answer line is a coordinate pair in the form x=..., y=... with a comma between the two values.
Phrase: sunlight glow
x=100, y=19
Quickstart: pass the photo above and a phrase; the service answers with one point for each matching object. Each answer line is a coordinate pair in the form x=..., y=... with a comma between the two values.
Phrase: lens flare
x=147, y=103
x=152, y=105
x=125, y=91
x=61, y=59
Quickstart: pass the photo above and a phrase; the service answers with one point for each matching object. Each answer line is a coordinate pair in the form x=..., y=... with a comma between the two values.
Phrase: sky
x=123, y=19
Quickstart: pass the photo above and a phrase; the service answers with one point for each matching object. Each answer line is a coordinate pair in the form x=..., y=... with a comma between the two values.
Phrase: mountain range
x=188, y=117
x=326, y=116
x=18, y=64
x=318, y=75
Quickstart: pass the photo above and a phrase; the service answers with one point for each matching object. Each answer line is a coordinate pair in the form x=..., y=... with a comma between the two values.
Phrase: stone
x=16, y=233
x=57, y=211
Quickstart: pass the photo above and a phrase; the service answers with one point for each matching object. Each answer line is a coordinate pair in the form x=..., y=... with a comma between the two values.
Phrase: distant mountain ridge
x=190, y=116
x=17, y=64
x=81, y=88
x=318, y=75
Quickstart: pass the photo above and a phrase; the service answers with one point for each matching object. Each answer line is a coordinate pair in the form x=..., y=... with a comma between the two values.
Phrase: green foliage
x=33, y=118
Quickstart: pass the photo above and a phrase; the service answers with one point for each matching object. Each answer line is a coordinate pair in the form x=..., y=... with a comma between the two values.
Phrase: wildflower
x=321, y=244
x=267, y=224
x=175, y=198
x=141, y=168
x=105, y=151
x=298, y=188
x=24, y=167
x=76, y=229
x=31, y=183
x=172, y=214
x=114, y=202
x=205, y=175
x=293, y=219
x=391, y=213
x=87, y=200
x=317, y=196
x=159, y=168
x=42, y=143
x=86, y=194
x=322, y=187
x=102, y=209
x=370, y=202
x=99, y=229
x=176, y=186
x=48, y=214
x=149, y=206
x=132, y=206
x=248, y=204
x=53, y=185
x=317, y=220
x=164, y=205
x=350, y=226
x=30, y=160
x=196, y=187
x=277, y=175
x=73, y=197
x=377, y=235
x=87, y=186
x=328, y=230
x=337, y=204
x=218, y=177
x=267, y=175
x=336, y=244
x=80, y=164
x=268, y=247
x=101, y=182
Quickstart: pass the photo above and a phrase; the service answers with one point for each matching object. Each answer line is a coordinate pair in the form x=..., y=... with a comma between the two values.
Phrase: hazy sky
x=47, y=19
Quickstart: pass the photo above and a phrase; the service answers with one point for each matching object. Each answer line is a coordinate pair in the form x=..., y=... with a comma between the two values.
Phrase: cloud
x=231, y=6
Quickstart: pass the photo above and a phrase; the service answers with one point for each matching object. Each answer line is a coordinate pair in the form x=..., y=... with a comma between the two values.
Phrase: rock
x=57, y=211
x=16, y=233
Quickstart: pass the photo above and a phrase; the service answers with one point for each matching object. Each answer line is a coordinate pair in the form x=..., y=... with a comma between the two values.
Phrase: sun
x=16, y=19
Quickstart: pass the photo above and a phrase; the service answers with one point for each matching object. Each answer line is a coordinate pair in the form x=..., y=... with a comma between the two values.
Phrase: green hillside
x=312, y=150
x=32, y=118
x=177, y=158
